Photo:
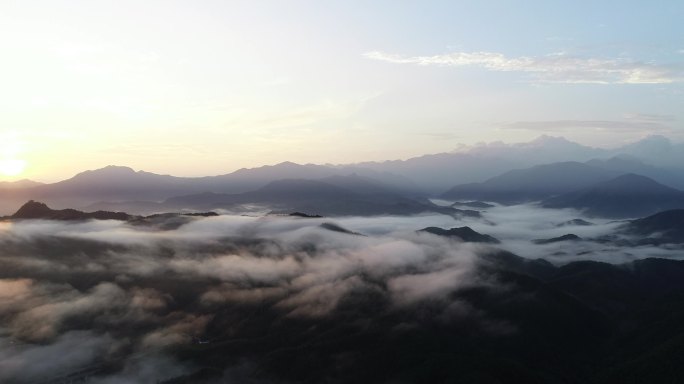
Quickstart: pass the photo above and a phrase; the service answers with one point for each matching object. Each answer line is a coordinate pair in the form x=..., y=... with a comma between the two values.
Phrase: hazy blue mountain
x=657, y=150
x=249, y=179
x=622, y=197
x=662, y=227
x=543, y=149
x=359, y=184
x=351, y=195
x=531, y=184
x=114, y=184
x=669, y=176
x=438, y=172
x=122, y=183
x=624, y=164
x=415, y=177
x=109, y=183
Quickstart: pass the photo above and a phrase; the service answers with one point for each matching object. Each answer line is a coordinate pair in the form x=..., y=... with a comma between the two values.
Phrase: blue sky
x=206, y=87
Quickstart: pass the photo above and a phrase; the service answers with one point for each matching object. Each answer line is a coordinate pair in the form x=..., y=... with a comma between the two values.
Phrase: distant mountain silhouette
x=438, y=172
x=109, y=183
x=37, y=210
x=470, y=168
x=623, y=164
x=117, y=184
x=249, y=179
x=622, y=197
x=19, y=184
x=568, y=237
x=122, y=183
x=466, y=234
x=663, y=227
x=359, y=184
x=657, y=150
x=672, y=177
x=352, y=195
x=531, y=184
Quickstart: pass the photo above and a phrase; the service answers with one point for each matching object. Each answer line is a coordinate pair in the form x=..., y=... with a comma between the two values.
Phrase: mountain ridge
x=625, y=196
x=420, y=176
x=531, y=184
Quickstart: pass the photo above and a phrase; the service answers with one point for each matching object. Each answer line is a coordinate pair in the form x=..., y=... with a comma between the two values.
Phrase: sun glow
x=12, y=167
x=11, y=153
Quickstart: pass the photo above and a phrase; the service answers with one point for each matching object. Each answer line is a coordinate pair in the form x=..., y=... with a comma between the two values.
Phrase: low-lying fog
x=75, y=295
x=517, y=226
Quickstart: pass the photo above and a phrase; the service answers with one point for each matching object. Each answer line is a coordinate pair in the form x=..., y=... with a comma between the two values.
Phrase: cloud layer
x=121, y=303
x=556, y=68
x=121, y=297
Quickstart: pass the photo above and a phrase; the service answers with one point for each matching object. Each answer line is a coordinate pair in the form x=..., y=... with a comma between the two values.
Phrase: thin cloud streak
x=652, y=126
x=556, y=68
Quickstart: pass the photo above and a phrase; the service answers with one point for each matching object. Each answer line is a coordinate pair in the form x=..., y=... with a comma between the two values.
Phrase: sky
x=207, y=87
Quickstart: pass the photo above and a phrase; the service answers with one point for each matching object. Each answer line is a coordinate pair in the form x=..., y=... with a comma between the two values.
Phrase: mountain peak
x=110, y=170
x=636, y=185
x=31, y=210
x=651, y=144
x=37, y=210
x=284, y=166
x=632, y=180
x=627, y=195
x=117, y=168
x=288, y=164
x=553, y=141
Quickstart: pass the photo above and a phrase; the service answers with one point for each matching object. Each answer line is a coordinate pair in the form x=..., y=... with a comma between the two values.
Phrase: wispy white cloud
x=556, y=68
x=627, y=125
x=650, y=117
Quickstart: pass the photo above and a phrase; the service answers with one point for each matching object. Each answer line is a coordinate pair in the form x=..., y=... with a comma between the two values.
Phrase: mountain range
x=625, y=196
x=532, y=184
x=123, y=184
x=665, y=227
x=438, y=172
x=538, y=170
x=332, y=196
